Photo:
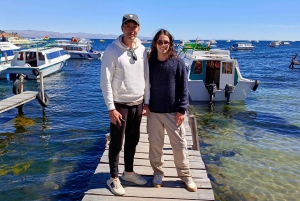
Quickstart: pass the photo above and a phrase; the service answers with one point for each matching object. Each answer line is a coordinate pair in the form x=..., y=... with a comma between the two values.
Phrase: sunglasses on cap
x=162, y=42
x=133, y=55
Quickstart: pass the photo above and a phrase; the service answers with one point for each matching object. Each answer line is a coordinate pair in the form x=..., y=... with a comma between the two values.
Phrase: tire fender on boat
x=17, y=87
x=35, y=72
x=41, y=101
x=255, y=85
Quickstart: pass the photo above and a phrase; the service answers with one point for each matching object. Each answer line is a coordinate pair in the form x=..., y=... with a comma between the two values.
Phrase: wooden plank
x=91, y=197
x=144, y=170
x=143, y=131
x=146, y=162
x=144, y=148
x=17, y=100
x=151, y=192
x=168, y=181
x=146, y=156
x=144, y=138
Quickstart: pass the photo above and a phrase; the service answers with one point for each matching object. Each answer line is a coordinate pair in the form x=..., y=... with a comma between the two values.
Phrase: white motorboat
x=6, y=52
x=284, y=43
x=214, y=76
x=213, y=42
x=146, y=42
x=79, y=49
x=46, y=60
x=274, y=44
x=182, y=42
x=242, y=46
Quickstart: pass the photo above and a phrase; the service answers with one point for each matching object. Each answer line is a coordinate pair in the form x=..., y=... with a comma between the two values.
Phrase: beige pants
x=156, y=123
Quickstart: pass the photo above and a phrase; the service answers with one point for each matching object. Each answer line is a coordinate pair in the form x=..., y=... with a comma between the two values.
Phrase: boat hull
x=243, y=48
x=84, y=55
x=10, y=72
x=198, y=91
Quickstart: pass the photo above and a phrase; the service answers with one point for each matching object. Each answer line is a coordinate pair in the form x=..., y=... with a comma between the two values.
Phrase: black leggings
x=132, y=116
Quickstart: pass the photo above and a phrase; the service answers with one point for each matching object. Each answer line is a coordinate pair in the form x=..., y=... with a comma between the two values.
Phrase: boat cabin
x=214, y=72
x=212, y=67
x=36, y=57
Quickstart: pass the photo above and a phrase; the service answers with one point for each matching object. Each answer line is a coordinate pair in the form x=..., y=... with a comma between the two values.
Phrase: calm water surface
x=251, y=149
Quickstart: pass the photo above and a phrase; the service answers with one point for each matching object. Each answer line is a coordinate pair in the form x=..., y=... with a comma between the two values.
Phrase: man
x=125, y=88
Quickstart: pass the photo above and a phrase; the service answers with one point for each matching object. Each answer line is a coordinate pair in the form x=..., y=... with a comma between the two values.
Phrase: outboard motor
x=212, y=88
x=228, y=91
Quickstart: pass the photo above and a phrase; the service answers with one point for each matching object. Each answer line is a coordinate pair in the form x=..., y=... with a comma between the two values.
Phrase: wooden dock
x=17, y=100
x=172, y=190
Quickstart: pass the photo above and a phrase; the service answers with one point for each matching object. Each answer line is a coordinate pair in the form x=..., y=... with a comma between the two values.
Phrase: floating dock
x=172, y=188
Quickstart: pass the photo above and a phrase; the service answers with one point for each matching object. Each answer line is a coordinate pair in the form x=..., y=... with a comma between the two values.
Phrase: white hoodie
x=123, y=79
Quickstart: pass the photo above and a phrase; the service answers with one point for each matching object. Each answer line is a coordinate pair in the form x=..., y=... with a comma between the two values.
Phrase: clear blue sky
x=185, y=19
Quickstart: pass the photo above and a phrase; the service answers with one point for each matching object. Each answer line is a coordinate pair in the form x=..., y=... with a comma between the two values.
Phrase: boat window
x=20, y=56
x=198, y=67
x=213, y=64
x=41, y=56
x=8, y=53
x=227, y=68
x=30, y=55
x=53, y=55
x=62, y=52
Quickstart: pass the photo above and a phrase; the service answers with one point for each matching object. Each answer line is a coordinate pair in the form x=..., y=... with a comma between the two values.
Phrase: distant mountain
x=53, y=34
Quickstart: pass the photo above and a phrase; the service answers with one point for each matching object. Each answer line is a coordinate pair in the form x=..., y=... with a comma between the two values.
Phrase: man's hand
x=179, y=118
x=115, y=117
x=146, y=110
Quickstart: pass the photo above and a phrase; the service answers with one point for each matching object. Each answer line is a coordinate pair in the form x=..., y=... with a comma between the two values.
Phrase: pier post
x=195, y=137
x=42, y=89
x=20, y=108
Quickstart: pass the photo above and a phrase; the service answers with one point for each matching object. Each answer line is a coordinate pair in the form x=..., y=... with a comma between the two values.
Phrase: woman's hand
x=179, y=118
x=146, y=110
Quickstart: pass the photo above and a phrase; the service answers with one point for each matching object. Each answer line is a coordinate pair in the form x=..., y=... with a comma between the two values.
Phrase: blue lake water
x=251, y=149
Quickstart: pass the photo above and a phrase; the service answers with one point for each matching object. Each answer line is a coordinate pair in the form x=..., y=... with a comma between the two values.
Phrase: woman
x=168, y=103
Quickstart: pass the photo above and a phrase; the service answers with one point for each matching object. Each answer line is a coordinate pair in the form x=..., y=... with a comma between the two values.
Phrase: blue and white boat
x=80, y=49
x=242, y=46
x=214, y=76
x=46, y=60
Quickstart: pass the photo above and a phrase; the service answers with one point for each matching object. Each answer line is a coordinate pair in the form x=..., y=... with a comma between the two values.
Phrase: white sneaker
x=157, y=180
x=115, y=186
x=134, y=177
x=190, y=184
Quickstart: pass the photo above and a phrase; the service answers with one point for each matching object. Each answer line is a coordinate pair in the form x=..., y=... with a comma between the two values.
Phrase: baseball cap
x=130, y=17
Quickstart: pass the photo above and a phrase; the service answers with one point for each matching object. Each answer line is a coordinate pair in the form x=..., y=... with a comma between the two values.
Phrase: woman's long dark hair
x=171, y=51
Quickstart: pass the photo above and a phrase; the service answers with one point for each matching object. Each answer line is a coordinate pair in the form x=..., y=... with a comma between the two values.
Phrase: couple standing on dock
x=134, y=85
